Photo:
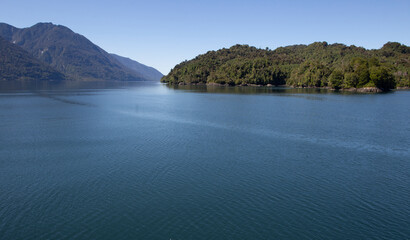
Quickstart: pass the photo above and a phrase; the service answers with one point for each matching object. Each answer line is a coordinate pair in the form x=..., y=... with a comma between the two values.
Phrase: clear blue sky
x=162, y=33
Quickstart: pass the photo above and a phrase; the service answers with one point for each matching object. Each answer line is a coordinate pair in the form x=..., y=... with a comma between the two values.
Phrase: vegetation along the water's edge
x=334, y=66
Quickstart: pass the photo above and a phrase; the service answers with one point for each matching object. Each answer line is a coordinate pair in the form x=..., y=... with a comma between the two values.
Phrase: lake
x=147, y=161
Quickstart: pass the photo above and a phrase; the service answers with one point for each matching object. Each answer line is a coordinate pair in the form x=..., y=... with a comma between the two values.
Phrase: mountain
x=18, y=64
x=316, y=65
x=147, y=72
x=68, y=52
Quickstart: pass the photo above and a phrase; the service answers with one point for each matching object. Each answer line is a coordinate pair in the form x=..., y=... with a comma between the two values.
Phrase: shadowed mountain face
x=68, y=52
x=147, y=72
x=18, y=64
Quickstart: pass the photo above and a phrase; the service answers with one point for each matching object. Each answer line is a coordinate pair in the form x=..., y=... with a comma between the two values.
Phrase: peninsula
x=319, y=64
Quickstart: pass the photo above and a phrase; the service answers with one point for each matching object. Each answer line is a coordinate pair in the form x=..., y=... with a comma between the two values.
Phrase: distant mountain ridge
x=147, y=72
x=18, y=64
x=70, y=53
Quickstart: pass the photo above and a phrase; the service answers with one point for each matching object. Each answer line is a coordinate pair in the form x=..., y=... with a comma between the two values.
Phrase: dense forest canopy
x=316, y=65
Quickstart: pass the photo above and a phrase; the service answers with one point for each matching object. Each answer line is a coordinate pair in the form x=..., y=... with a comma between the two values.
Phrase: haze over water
x=146, y=161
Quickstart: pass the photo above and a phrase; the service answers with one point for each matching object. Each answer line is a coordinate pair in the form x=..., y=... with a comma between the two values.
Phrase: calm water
x=144, y=161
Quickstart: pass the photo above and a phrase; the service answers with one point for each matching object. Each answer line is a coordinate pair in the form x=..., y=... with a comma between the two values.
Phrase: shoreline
x=359, y=90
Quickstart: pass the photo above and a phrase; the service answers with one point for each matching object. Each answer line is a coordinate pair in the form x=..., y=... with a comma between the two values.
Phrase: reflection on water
x=246, y=89
x=7, y=86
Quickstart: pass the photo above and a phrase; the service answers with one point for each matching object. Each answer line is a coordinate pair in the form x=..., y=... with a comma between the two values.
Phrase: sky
x=161, y=33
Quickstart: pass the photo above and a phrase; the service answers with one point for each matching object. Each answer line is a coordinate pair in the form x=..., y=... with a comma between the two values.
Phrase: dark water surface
x=145, y=161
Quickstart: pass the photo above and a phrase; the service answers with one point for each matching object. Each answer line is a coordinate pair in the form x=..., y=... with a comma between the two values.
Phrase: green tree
x=382, y=78
x=336, y=79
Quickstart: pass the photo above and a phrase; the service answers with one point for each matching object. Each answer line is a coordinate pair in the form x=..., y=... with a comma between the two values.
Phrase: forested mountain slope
x=18, y=64
x=68, y=52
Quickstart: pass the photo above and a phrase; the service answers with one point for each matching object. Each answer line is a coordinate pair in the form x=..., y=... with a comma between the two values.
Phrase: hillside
x=17, y=64
x=68, y=52
x=147, y=72
x=316, y=65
